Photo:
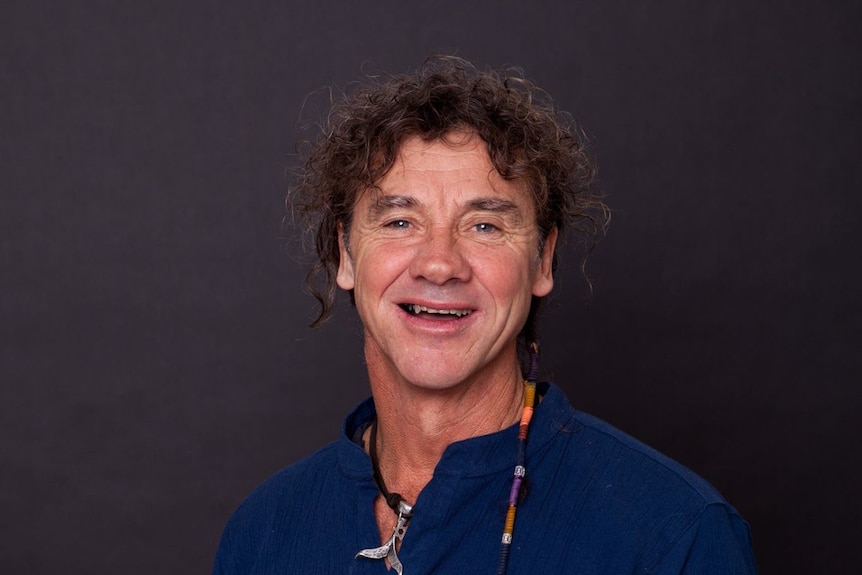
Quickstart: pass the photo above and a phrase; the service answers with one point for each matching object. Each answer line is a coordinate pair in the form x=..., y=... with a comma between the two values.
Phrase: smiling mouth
x=414, y=309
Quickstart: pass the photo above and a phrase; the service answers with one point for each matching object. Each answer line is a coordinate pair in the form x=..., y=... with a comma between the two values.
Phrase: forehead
x=456, y=165
x=453, y=150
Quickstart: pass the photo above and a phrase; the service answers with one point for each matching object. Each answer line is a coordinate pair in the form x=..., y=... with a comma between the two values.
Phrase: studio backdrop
x=155, y=359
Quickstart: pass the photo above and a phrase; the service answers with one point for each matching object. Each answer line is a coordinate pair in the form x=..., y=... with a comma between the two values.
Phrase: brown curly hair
x=526, y=136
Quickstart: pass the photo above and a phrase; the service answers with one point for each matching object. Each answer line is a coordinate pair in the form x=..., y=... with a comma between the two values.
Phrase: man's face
x=443, y=260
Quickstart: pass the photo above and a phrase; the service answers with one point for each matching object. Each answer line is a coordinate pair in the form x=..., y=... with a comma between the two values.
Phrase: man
x=438, y=200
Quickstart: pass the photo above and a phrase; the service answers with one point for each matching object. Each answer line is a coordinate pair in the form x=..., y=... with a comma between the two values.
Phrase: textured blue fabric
x=597, y=501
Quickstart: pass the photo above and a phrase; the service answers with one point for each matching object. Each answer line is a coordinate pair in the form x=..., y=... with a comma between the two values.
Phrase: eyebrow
x=506, y=208
x=383, y=203
x=494, y=205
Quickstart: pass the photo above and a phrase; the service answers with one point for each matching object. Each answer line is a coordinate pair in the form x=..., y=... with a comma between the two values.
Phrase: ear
x=543, y=282
x=344, y=278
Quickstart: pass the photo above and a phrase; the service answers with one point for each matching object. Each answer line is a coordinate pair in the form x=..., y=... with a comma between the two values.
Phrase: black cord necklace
x=404, y=510
x=393, y=500
x=396, y=502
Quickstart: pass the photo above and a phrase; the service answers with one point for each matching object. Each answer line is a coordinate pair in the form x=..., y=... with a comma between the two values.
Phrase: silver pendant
x=387, y=550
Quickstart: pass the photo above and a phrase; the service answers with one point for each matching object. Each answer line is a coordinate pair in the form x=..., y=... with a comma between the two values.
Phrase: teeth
x=417, y=309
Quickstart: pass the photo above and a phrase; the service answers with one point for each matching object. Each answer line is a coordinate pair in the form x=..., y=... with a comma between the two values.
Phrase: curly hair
x=527, y=139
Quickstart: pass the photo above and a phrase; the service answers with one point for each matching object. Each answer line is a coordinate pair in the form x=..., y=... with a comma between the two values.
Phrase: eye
x=486, y=228
x=398, y=224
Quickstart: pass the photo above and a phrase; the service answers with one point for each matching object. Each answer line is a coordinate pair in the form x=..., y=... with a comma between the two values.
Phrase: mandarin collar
x=471, y=457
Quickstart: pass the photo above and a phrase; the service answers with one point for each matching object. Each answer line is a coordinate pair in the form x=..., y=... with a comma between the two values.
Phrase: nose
x=439, y=258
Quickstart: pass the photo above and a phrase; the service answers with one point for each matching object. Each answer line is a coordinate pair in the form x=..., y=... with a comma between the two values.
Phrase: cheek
x=508, y=271
x=376, y=269
x=509, y=282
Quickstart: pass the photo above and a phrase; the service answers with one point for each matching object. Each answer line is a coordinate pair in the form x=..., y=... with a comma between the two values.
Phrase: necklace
x=404, y=510
x=397, y=503
x=521, y=460
x=517, y=477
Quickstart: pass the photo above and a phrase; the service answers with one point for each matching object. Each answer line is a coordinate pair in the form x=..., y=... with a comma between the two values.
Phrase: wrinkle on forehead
x=462, y=145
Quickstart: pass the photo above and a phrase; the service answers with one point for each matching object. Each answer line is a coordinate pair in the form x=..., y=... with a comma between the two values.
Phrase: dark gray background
x=155, y=363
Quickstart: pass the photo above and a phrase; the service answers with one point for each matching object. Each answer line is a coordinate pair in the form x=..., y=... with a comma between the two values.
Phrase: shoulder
x=268, y=528
x=632, y=460
x=289, y=486
x=590, y=447
x=639, y=502
x=685, y=522
x=273, y=507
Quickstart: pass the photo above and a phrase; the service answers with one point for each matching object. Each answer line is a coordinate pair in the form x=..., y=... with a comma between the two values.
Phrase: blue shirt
x=597, y=501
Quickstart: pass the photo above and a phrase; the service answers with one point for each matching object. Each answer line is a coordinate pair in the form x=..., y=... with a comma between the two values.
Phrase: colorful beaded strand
x=520, y=469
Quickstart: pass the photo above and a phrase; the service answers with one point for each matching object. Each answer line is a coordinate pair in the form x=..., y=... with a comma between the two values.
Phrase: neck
x=415, y=425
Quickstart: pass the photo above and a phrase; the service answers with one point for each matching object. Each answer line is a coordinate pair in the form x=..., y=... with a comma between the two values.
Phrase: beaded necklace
x=520, y=462
x=404, y=511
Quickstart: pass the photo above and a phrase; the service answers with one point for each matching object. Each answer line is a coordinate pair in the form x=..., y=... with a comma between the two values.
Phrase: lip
x=440, y=312
x=438, y=305
x=438, y=325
